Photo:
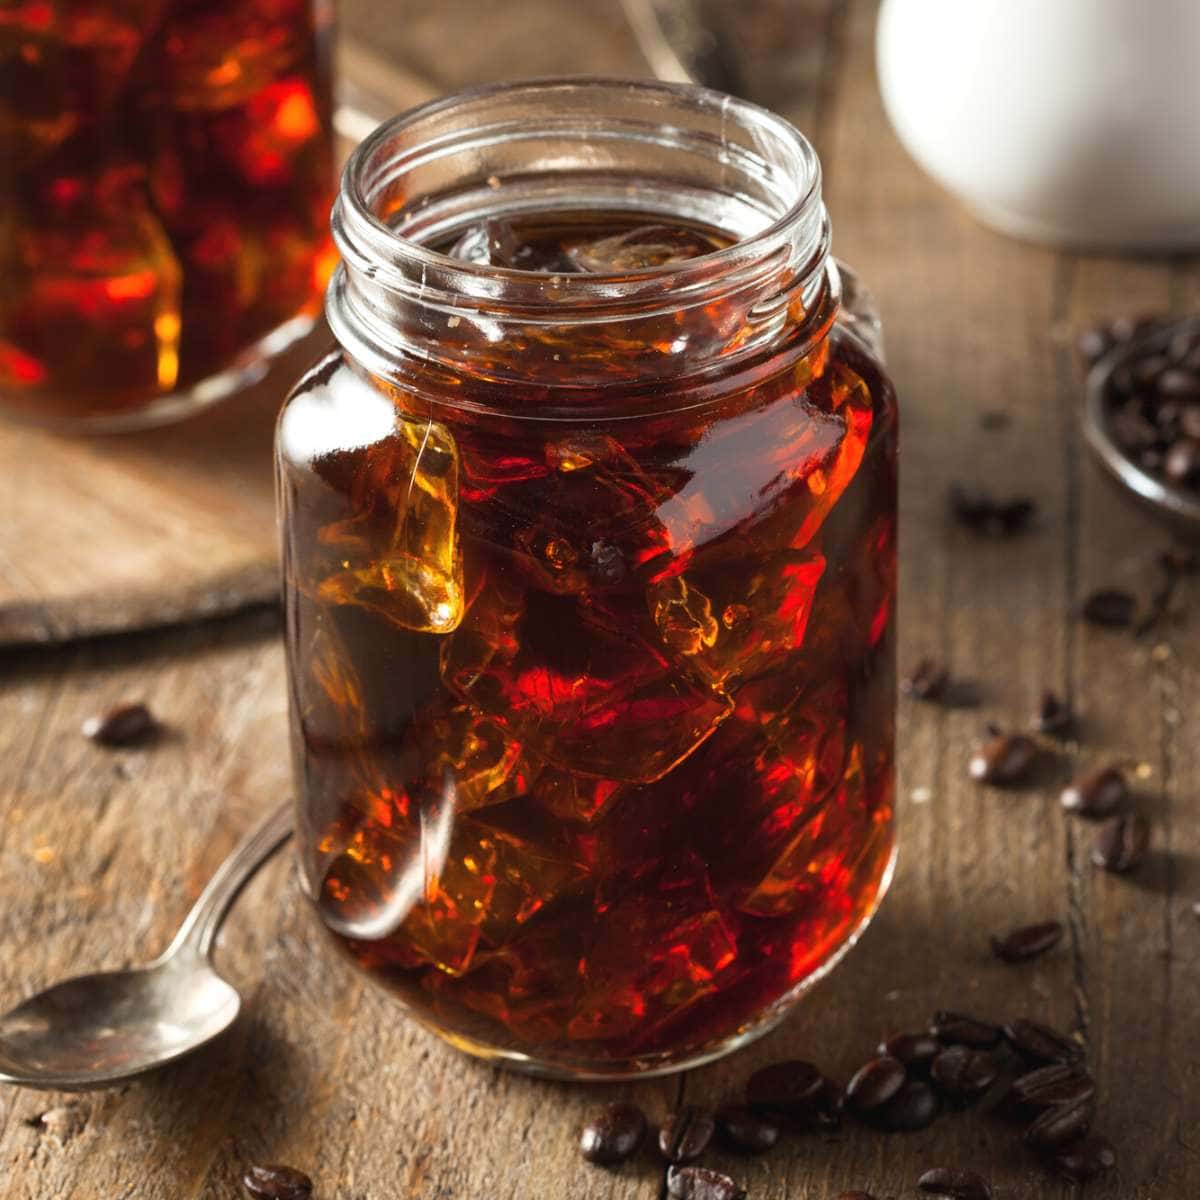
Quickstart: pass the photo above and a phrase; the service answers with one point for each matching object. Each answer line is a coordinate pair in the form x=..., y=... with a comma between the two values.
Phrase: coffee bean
x=1189, y=422
x=1061, y=1124
x=1097, y=793
x=787, y=1089
x=1029, y=941
x=1092, y=344
x=828, y=1106
x=1109, y=607
x=874, y=1084
x=958, y=1185
x=1042, y=1043
x=1121, y=843
x=1182, y=463
x=1059, y=1083
x=1004, y=760
x=745, y=1131
x=915, y=1106
x=277, y=1183
x=855, y=1196
x=124, y=725
x=912, y=1049
x=960, y=1029
x=964, y=1074
x=1085, y=1159
x=926, y=681
x=685, y=1134
x=613, y=1135
x=1179, y=382
x=699, y=1183
x=979, y=511
x=1053, y=716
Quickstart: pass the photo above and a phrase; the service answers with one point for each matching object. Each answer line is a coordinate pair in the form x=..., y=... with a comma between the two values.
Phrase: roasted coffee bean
x=1182, y=462
x=1131, y=429
x=1085, y=1159
x=960, y=1029
x=915, y=1106
x=874, y=1084
x=979, y=511
x=912, y=1049
x=1092, y=344
x=277, y=1183
x=926, y=681
x=855, y=1196
x=685, y=1134
x=124, y=725
x=1053, y=716
x=699, y=1183
x=1097, y=793
x=1179, y=382
x=1121, y=843
x=1004, y=760
x=958, y=1185
x=745, y=1131
x=829, y=1105
x=1041, y=1043
x=1059, y=1083
x=1029, y=941
x=964, y=1074
x=613, y=1135
x=1061, y=1124
x=787, y=1089
x=1109, y=607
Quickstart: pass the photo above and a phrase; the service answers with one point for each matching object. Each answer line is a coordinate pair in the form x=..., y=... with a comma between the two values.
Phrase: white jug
x=1075, y=122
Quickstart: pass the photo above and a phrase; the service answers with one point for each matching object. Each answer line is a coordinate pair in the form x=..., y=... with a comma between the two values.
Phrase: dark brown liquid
x=165, y=182
x=593, y=721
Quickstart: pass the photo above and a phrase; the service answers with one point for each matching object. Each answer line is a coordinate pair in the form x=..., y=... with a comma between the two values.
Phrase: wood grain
x=100, y=852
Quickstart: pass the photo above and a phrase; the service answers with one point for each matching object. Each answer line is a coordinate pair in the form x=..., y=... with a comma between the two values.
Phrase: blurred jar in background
x=166, y=172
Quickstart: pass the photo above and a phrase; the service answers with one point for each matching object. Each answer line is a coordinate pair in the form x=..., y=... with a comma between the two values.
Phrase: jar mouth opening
x=382, y=224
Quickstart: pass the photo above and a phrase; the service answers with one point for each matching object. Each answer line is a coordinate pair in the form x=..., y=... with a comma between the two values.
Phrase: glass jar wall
x=589, y=548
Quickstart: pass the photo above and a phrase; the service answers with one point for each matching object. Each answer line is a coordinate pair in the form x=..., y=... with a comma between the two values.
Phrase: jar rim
x=389, y=243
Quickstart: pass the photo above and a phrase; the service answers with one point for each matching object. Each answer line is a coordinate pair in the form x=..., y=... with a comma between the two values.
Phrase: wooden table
x=101, y=852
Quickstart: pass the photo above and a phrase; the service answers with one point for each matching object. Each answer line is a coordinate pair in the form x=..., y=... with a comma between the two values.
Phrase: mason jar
x=166, y=171
x=589, y=548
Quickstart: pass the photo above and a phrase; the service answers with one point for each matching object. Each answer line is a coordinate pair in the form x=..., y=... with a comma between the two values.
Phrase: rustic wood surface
x=101, y=852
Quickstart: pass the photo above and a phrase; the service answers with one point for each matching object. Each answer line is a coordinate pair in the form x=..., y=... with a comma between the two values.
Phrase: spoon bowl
x=99, y=1030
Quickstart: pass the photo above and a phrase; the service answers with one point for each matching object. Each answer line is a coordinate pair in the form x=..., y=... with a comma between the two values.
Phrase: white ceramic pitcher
x=1075, y=122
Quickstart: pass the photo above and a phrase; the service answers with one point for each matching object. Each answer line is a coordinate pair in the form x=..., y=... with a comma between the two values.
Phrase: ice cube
x=571, y=796
x=642, y=249
x=91, y=290
x=495, y=243
x=400, y=556
x=485, y=765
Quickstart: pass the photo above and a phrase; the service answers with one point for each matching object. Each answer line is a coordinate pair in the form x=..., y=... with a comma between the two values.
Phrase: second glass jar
x=589, y=542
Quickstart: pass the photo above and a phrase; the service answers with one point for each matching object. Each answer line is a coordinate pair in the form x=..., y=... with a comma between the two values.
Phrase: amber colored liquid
x=165, y=181
x=593, y=721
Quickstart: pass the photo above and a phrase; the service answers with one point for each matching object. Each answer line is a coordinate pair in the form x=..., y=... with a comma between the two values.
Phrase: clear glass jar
x=166, y=171
x=589, y=578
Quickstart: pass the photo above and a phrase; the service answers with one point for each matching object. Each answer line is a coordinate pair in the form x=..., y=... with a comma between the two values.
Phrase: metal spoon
x=99, y=1030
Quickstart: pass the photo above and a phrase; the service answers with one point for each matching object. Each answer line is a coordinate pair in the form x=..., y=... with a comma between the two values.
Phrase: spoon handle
x=202, y=923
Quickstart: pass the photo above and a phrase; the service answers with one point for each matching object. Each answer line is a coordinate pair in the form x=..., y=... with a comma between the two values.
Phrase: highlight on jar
x=588, y=536
x=164, y=201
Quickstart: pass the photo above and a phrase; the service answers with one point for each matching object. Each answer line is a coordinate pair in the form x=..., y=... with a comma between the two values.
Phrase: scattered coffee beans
x=1061, y=1124
x=926, y=681
x=874, y=1084
x=1085, y=1159
x=959, y=1029
x=614, y=1135
x=685, y=1135
x=1004, y=759
x=912, y=1049
x=1097, y=793
x=915, y=1106
x=124, y=725
x=1109, y=607
x=963, y=1074
x=786, y=1089
x=277, y=1183
x=1121, y=843
x=978, y=510
x=699, y=1183
x=1028, y=942
x=1040, y=1043
x=745, y=1131
x=958, y=1185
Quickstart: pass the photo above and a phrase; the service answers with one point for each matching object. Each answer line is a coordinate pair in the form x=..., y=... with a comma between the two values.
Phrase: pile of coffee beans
x=1024, y=1071
x=1154, y=398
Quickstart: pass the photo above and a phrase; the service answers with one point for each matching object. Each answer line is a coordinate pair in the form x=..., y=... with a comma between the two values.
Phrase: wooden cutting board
x=106, y=534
